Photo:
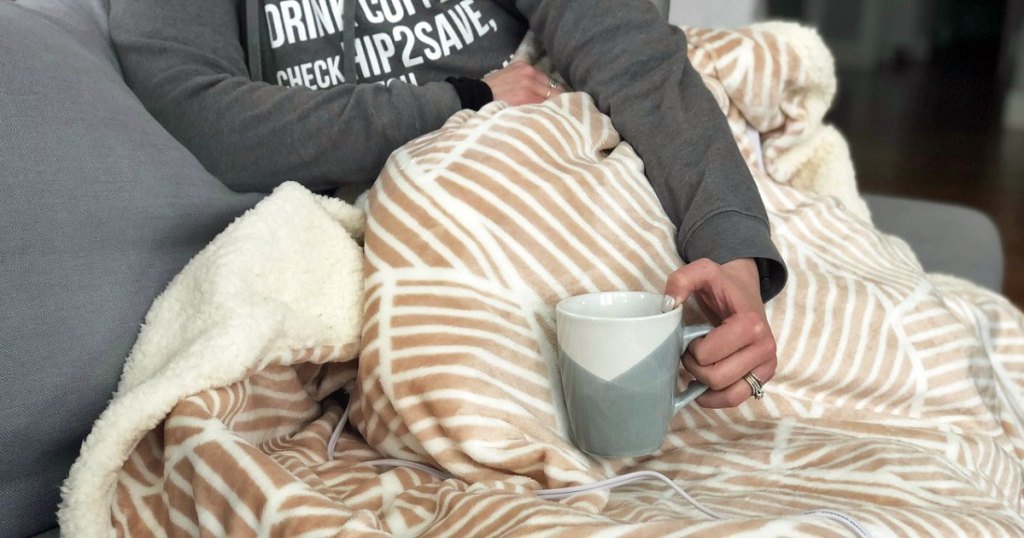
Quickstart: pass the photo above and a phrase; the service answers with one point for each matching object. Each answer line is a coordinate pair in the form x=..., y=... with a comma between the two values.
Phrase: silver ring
x=756, y=386
x=553, y=83
x=546, y=95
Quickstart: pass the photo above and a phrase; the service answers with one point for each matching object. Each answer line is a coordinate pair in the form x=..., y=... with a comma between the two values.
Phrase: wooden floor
x=936, y=134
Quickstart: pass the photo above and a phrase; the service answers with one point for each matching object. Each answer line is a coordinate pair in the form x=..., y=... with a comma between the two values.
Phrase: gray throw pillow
x=100, y=207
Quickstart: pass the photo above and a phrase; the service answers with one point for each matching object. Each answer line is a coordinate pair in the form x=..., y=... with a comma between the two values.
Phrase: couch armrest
x=947, y=238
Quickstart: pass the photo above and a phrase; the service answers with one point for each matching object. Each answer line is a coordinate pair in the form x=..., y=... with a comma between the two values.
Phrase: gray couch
x=101, y=207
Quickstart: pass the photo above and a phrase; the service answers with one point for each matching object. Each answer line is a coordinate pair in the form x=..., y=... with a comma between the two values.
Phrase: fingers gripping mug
x=619, y=359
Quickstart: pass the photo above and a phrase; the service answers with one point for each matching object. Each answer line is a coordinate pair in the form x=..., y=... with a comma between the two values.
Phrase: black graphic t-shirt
x=416, y=41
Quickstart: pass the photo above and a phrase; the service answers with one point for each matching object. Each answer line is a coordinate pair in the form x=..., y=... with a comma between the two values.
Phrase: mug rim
x=561, y=305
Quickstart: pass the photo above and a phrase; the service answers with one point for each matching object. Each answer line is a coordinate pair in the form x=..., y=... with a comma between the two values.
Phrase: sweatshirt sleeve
x=635, y=66
x=184, y=59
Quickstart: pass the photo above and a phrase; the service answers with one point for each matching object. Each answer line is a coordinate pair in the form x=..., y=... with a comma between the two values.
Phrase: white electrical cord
x=615, y=481
x=440, y=475
x=336, y=434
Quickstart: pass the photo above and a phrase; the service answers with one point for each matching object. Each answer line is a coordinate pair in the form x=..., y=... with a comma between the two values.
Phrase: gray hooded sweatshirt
x=326, y=118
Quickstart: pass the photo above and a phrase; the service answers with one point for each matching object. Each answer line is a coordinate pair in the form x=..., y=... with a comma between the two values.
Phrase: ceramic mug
x=619, y=359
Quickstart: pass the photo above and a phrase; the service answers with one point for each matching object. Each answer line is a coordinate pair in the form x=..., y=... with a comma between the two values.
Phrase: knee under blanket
x=898, y=397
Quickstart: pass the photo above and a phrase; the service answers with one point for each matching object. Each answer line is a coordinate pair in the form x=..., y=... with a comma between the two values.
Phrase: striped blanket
x=898, y=398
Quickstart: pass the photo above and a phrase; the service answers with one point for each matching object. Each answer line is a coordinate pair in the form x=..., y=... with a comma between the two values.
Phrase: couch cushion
x=85, y=20
x=100, y=208
x=946, y=238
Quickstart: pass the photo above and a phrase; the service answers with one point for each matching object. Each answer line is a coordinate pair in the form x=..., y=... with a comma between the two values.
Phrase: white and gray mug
x=619, y=361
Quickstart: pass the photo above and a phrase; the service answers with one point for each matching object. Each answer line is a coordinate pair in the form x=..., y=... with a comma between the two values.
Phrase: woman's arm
x=635, y=66
x=185, y=61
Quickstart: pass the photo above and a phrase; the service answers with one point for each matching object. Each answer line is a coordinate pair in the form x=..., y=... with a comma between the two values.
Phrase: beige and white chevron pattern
x=898, y=399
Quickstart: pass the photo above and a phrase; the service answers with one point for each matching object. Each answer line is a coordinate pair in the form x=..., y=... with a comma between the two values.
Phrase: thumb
x=692, y=277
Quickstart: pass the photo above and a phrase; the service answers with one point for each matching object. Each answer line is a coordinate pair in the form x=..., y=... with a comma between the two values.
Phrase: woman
x=387, y=71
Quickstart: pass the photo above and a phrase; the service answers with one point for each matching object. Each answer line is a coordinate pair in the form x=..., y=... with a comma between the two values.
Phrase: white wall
x=718, y=13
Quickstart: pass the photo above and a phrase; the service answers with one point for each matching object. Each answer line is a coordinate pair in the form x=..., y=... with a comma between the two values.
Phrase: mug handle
x=695, y=388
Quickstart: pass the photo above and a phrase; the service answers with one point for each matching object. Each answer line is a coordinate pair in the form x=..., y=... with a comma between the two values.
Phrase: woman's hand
x=741, y=342
x=519, y=83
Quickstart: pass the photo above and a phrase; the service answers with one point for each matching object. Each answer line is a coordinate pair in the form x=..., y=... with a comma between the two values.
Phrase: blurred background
x=930, y=99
